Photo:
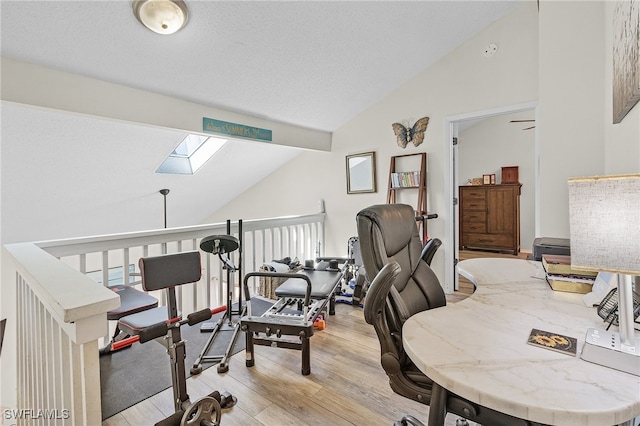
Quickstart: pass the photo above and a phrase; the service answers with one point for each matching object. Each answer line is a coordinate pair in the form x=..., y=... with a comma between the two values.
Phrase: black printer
x=546, y=245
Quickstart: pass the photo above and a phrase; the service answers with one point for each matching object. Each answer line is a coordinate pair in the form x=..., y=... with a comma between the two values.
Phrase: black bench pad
x=132, y=301
x=322, y=285
x=133, y=324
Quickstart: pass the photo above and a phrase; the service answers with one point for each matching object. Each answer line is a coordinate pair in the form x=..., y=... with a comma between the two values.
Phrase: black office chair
x=404, y=285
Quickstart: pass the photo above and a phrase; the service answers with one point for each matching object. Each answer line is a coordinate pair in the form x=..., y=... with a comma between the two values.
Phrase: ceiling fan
x=524, y=121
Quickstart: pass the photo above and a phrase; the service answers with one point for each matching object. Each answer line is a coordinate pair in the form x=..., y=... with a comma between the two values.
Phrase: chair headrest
x=396, y=222
x=389, y=231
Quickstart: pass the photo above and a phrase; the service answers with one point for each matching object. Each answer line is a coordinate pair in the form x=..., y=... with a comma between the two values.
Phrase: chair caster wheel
x=195, y=370
x=462, y=422
x=223, y=368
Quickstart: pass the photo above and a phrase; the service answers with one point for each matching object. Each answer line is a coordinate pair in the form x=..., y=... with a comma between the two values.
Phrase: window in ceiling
x=192, y=152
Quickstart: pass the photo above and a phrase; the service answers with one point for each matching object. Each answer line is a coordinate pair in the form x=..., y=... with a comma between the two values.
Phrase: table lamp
x=604, y=220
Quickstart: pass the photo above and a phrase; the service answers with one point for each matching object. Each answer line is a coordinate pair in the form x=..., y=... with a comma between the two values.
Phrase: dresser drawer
x=478, y=204
x=469, y=192
x=477, y=227
x=474, y=216
x=487, y=240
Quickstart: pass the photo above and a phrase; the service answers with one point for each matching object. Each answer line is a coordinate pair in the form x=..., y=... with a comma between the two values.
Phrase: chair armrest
x=379, y=290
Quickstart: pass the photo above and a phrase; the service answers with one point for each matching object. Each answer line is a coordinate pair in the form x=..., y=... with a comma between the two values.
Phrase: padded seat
x=323, y=284
x=131, y=301
x=133, y=324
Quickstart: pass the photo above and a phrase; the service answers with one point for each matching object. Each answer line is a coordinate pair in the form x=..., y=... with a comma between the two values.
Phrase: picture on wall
x=626, y=57
x=361, y=173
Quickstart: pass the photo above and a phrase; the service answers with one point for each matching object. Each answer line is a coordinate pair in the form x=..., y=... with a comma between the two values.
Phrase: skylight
x=191, y=154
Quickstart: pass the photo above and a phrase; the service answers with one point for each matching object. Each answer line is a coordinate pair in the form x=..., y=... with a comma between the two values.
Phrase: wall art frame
x=626, y=58
x=361, y=173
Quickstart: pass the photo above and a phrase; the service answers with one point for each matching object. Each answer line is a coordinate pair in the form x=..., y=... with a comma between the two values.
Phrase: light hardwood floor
x=347, y=385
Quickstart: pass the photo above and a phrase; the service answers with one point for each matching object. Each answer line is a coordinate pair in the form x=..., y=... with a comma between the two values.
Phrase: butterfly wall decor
x=413, y=134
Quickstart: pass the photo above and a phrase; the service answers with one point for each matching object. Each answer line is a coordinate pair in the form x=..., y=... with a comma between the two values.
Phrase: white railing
x=263, y=240
x=61, y=303
x=51, y=340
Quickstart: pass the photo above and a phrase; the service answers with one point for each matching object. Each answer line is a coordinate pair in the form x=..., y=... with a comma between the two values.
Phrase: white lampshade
x=161, y=16
x=604, y=221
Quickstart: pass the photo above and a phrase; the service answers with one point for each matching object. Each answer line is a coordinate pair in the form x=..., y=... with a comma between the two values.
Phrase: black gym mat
x=132, y=375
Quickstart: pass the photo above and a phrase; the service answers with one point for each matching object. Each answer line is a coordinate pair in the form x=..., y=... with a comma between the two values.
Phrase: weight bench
x=301, y=300
x=165, y=272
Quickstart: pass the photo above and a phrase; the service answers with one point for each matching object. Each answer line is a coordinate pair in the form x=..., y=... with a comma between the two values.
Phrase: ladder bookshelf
x=402, y=180
x=405, y=178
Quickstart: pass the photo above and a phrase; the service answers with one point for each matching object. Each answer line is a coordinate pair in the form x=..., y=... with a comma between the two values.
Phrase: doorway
x=454, y=126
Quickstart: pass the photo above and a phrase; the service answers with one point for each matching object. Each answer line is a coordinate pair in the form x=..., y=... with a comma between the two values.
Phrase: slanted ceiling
x=312, y=64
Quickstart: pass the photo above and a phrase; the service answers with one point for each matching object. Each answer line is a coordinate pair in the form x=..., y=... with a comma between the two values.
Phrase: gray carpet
x=132, y=375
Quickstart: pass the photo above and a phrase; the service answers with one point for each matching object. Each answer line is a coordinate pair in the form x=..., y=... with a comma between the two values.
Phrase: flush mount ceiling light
x=161, y=16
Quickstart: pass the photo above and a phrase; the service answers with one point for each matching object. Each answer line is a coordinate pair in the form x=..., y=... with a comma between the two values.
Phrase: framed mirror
x=361, y=173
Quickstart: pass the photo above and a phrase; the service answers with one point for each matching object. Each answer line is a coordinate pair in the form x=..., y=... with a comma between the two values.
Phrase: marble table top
x=478, y=349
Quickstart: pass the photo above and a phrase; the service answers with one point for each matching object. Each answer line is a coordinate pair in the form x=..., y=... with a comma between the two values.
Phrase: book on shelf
x=562, y=277
x=553, y=341
x=574, y=278
x=405, y=179
x=571, y=283
x=561, y=264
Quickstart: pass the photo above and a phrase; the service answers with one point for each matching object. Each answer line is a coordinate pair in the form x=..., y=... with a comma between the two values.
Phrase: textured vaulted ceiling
x=314, y=64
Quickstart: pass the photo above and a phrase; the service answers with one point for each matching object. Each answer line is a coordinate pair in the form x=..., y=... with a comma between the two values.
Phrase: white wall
x=571, y=107
x=487, y=146
x=546, y=55
x=461, y=82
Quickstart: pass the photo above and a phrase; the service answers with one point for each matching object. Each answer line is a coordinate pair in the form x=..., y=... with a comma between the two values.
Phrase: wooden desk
x=477, y=348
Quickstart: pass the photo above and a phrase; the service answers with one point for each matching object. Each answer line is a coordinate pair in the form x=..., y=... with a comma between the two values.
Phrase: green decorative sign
x=209, y=125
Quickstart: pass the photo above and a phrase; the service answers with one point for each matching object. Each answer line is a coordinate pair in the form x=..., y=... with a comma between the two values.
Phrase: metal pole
x=240, y=248
x=164, y=193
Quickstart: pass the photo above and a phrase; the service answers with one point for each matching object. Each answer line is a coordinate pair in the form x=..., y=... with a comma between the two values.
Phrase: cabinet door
x=501, y=210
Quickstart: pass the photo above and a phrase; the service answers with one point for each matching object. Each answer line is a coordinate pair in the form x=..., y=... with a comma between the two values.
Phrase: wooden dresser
x=490, y=217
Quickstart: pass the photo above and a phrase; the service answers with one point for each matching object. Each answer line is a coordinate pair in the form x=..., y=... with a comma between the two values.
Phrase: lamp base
x=605, y=348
